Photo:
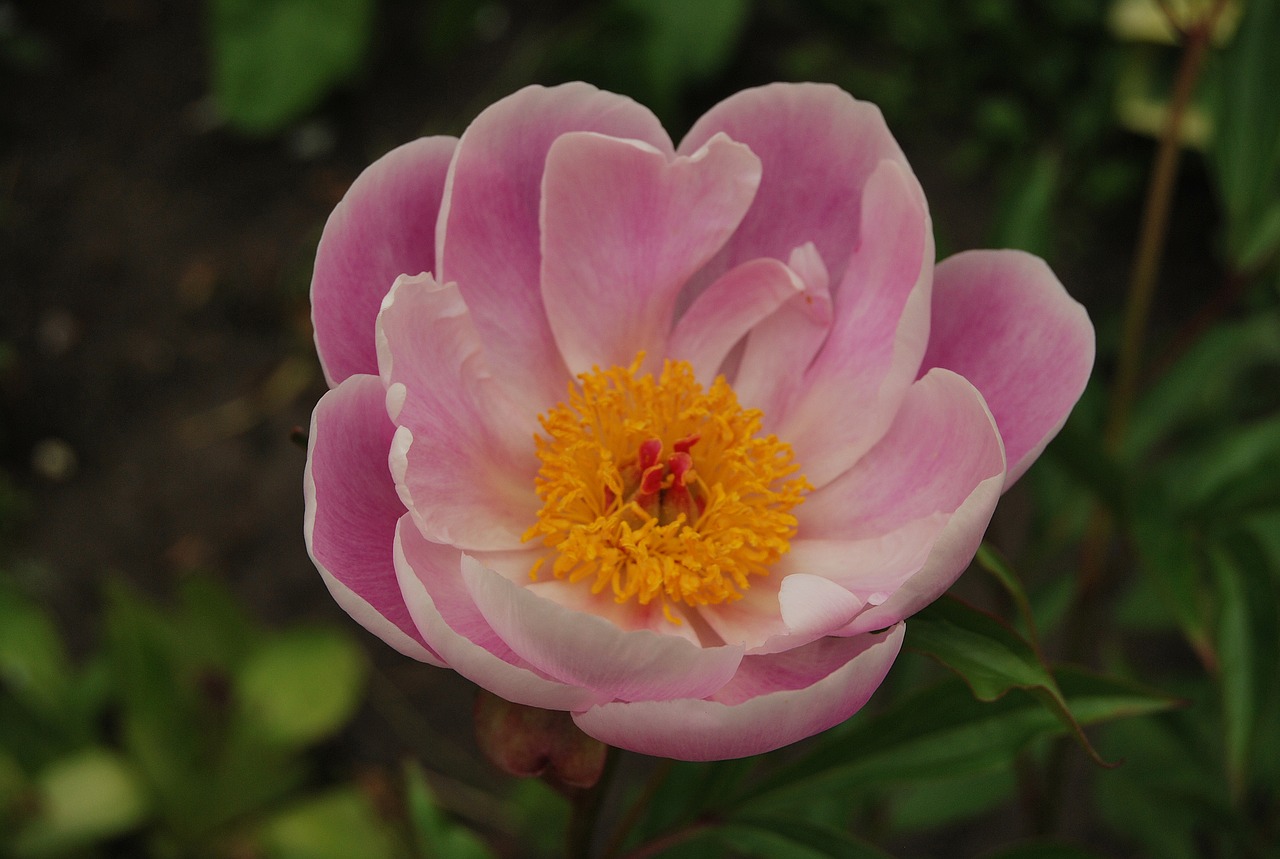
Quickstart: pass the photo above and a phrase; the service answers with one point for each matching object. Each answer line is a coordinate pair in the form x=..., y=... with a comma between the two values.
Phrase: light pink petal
x=772, y=702
x=463, y=456
x=728, y=310
x=623, y=228
x=818, y=146
x=942, y=444
x=385, y=226
x=351, y=511
x=489, y=239
x=1004, y=322
x=784, y=611
x=626, y=616
x=431, y=580
x=851, y=392
x=780, y=349
x=589, y=651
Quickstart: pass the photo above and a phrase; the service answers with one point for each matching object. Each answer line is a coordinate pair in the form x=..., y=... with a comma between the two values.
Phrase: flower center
x=659, y=490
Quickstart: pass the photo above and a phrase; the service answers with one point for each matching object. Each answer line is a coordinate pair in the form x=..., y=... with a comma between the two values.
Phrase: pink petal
x=623, y=228
x=818, y=146
x=850, y=394
x=463, y=456
x=351, y=511
x=780, y=349
x=784, y=611
x=1004, y=322
x=489, y=239
x=772, y=702
x=431, y=580
x=585, y=650
x=385, y=226
x=728, y=310
x=942, y=444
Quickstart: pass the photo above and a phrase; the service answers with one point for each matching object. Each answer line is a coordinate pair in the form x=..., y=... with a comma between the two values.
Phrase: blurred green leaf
x=273, y=60
x=928, y=803
x=1245, y=151
x=1024, y=219
x=1248, y=636
x=434, y=833
x=990, y=559
x=685, y=41
x=944, y=731
x=301, y=686
x=33, y=664
x=990, y=656
x=788, y=838
x=1043, y=850
x=338, y=825
x=82, y=799
x=1203, y=389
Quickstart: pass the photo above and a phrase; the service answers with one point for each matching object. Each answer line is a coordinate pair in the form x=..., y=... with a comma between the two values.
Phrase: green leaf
x=33, y=665
x=1043, y=850
x=788, y=838
x=434, y=833
x=1245, y=151
x=936, y=802
x=301, y=686
x=944, y=731
x=1248, y=637
x=338, y=825
x=990, y=559
x=82, y=799
x=274, y=60
x=1204, y=387
x=685, y=41
x=990, y=656
x=1024, y=220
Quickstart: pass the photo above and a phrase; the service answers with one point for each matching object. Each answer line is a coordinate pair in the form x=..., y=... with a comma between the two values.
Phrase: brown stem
x=1144, y=276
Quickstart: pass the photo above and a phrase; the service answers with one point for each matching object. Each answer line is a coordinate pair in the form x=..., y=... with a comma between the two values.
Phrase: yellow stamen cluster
x=606, y=528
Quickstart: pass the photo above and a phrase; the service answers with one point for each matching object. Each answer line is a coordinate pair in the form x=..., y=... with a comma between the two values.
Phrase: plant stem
x=586, y=808
x=1144, y=276
x=632, y=817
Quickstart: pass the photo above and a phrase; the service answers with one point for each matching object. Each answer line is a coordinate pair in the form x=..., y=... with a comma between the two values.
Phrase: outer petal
x=1004, y=322
x=585, y=650
x=772, y=702
x=489, y=239
x=431, y=579
x=351, y=512
x=728, y=310
x=385, y=226
x=851, y=393
x=623, y=228
x=463, y=457
x=818, y=146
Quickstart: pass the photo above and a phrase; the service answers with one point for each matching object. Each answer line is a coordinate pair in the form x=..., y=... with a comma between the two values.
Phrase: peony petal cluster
x=671, y=438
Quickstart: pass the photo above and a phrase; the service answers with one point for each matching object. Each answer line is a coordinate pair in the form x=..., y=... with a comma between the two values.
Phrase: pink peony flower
x=670, y=438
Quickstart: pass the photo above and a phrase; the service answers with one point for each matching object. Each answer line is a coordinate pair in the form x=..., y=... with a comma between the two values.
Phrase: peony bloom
x=670, y=438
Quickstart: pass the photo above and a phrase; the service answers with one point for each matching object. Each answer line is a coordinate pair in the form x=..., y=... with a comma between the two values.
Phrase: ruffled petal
x=780, y=349
x=463, y=458
x=489, y=239
x=589, y=651
x=1003, y=321
x=850, y=394
x=430, y=578
x=772, y=701
x=384, y=227
x=818, y=146
x=623, y=229
x=351, y=512
x=784, y=611
x=728, y=310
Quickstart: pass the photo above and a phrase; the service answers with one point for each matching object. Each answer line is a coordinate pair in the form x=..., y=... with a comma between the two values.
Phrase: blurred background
x=174, y=678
